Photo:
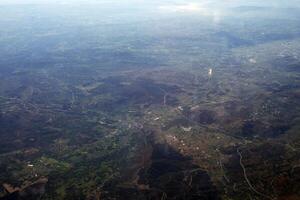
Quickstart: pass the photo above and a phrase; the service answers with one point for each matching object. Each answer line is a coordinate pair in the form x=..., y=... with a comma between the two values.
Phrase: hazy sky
x=182, y=4
x=265, y=2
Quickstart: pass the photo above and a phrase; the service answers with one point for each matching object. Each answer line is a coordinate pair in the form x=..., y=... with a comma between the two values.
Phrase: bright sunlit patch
x=190, y=7
x=202, y=9
x=210, y=71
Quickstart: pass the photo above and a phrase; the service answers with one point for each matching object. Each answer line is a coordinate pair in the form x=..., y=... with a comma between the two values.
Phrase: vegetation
x=168, y=107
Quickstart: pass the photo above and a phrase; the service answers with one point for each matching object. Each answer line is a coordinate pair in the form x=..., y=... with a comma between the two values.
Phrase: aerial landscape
x=149, y=100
